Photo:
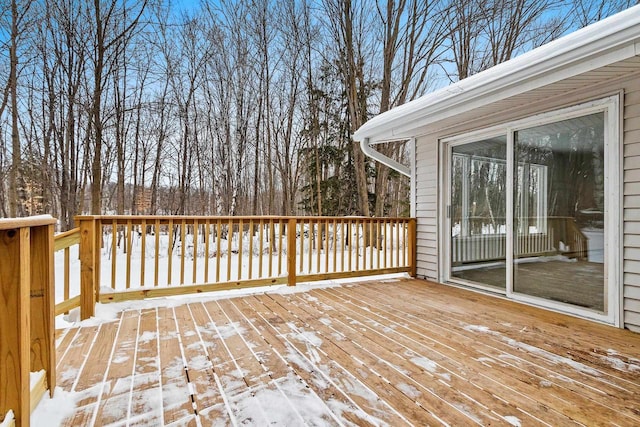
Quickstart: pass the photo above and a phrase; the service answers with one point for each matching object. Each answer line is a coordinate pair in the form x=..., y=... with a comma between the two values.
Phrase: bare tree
x=347, y=23
x=108, y=38
x=18, y=14
x=585, y=12
x=414, y=32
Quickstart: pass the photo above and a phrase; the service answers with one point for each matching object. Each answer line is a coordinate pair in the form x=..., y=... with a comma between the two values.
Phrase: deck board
x=426, y=370
x=208, y=401
x=396, y=352
x=585, y=388
x=114, y=399
x=435, y=350
x=324, y=387
x=176, y=398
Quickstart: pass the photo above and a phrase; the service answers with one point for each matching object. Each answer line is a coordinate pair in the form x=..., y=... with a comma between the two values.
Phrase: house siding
x=631, y=206
x=427, y=210
x=428, y=181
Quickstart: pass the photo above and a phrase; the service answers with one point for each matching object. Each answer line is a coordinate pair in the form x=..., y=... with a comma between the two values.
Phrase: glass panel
x=478, y=212
x=559, y=212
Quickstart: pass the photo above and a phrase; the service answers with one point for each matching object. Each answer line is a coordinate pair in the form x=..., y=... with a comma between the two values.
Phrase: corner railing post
x=412, y=246
x=26, y=311
x=88, y=265
x=14, y=318
x=291, y=252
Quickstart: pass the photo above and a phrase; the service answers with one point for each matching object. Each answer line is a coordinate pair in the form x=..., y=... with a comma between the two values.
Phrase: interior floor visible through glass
x=567, y=281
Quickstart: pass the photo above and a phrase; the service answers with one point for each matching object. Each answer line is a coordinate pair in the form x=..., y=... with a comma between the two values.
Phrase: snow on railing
x=26, y=314
x=134, y=257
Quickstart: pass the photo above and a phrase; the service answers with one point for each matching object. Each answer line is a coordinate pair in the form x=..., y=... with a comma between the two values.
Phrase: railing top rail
x=67, y=233
x=32, y=221
x=66, y=239
x=227, y=218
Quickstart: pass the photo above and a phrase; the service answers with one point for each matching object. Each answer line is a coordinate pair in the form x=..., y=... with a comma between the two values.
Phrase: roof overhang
x=599, y=45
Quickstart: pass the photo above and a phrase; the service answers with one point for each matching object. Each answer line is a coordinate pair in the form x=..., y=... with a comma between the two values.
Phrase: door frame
x=613, y=213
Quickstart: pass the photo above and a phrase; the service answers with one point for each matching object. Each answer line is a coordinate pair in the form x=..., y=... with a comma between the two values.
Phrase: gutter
x=368, y=150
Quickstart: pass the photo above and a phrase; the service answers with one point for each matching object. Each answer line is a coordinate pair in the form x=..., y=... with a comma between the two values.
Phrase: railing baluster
x=301, y=222
x=397, y=225
x=143, y=250
x=342, y=244
x=384, y=242
x=378, y=241
x=261, y=247
x=280, y=227
x=67, y=267
x=390, y=230
x=170, y=253
x=240, y=233
x=317, y=241
x=114, y=253
x=291, y=250
x=183, y=236
x=357, y=238
x=335, y=244
x=218, y=247
x=229, y=238
x=194, y=273
x=156, y=252
x=207, y=229
x=250, y=236
x=129, y=248
x=371, y=242
x=327, y=248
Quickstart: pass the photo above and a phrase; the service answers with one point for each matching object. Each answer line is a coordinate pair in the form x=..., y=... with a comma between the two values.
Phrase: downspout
x=368, y=150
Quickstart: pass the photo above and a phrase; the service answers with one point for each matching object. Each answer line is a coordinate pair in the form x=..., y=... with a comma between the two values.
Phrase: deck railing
x=26, y=314
x=134, y=257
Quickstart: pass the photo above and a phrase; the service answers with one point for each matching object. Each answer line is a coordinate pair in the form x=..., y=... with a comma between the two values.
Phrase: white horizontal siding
x=427, y=208
x=631, y=194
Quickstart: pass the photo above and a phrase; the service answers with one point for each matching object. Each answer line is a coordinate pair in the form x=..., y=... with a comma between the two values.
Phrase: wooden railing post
x=14, y=319
x=291, y=252
x=412, y=246
x=88, y=265
x=26, y=311
x=43, y=354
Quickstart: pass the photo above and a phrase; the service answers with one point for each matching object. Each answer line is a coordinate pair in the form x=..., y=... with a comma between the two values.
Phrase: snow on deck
x=390, y=352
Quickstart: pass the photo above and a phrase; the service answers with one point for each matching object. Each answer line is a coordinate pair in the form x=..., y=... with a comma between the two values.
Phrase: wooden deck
x=393, y=352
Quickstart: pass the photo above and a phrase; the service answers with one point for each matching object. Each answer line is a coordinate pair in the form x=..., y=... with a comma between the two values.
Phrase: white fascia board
x=611, y=40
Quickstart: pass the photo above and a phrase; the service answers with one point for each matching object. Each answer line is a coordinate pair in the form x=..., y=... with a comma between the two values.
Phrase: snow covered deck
x=393, y=352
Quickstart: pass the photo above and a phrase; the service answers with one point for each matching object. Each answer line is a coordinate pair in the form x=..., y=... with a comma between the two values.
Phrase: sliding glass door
x=531, y=210
x=478, y=212
x=559, y=249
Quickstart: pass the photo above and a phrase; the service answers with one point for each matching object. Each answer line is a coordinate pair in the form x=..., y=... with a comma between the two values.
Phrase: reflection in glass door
x=559, y=198
x=478, y=212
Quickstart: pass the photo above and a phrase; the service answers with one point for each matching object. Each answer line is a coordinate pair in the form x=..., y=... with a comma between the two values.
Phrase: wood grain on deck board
x=395, y=352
